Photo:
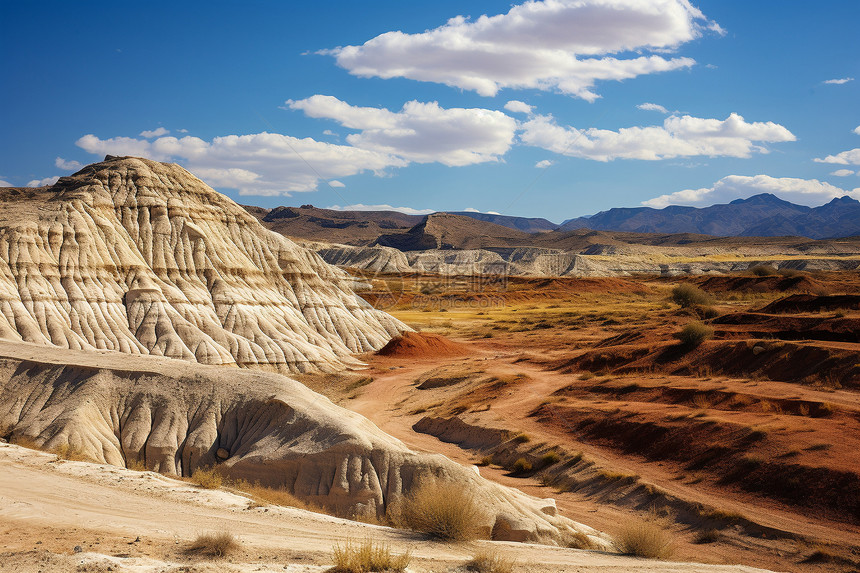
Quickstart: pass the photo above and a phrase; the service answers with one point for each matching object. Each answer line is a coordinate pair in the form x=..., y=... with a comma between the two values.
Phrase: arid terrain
x=579, y=389
x=188, y=374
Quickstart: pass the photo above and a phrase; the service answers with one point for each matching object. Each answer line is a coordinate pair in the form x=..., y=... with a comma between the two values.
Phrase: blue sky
x=533, y=109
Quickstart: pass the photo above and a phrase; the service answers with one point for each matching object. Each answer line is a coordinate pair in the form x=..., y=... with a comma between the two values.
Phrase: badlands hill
x=144, y=258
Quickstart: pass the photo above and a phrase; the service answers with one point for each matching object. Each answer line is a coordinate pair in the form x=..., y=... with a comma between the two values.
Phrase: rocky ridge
x=142, y=257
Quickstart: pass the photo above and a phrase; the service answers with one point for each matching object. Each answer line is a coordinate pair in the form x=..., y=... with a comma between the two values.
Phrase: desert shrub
x=208, y=478
x=707, y=536
x=216, y=545
x=522, y=438
x=486, y=561
x=645, y=538
x=366, y=557
x=550, y=458
x=521, y=466
x=577, y=540
x=707, y=312
x=444, y=510
x=763, y=270
x=695, y=333
x=790, y=273
x=25, y=442
x=274, y=496
x=688, y=295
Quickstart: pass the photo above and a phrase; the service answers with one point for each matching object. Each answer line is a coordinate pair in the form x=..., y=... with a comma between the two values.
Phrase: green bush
x=687, y=295
x=695, y=333
x=521, y=466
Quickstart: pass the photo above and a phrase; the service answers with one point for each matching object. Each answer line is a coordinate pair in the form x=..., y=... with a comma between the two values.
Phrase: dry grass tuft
x=444, y=510
x=208, y=478
x=487, y=561
x=578, y=540
x=215, y=545
x=695, y=333
x=274, y=496
x=367, y=556
x=645, y=538
x=689, y=295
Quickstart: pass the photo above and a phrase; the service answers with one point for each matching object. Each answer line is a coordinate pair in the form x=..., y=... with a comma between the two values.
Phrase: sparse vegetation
x=367, y=556
x=486, y=561
x=521, y=466
x=577, y=540
x=763, y=270
x=707, y=536
x=444, y=510
x=209, y=478
x=694, y=334
x=688, y=295
x=550, y=458
x=521, y=438
x=214, y=545
x=274, y=496
x=645, y=538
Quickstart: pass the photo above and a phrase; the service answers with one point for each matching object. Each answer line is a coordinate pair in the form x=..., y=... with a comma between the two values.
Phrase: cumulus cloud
x=850, y=157
x=155, y=133
x=68, y=165
x=809, y=192
x=43, y=182
x=362, y=207
x=336, y=183
x=652, y=107
x=839, y=81
x=543, y=164
x=4, y=183
x=564, y=45
x=419, y=132
x=678, y=137
x=517, y=106
x=857, y=130
x=255, y=164
x=842, y=173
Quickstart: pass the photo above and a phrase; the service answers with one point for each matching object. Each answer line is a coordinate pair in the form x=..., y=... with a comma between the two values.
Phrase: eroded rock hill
x=144, y=258
x=173, y=417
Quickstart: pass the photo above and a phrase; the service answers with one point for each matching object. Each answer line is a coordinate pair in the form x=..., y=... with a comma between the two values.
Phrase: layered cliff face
x=144, y=258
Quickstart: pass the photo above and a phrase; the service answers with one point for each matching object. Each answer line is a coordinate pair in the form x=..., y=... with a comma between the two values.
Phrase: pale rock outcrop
x=173, y=416
x=144, y=258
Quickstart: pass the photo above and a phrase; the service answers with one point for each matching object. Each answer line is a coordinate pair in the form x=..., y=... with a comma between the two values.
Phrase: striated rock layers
x=174, y=416
x=144, y=258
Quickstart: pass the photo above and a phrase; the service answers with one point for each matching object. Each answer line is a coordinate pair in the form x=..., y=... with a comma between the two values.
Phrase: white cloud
x=336, y=183
x=155, y=133
x=329, y=132
x=517, y=106
x=850, y=157
x=420, y=132
x=839, y=81
x=43, y=182
x=4, y=183
x=362, y=207
x=842, y=173
x=470, y=210
x=68, y=165
x=182, y=131
x=548, y=45
x=678, y=137
x=255, y=164
x=809, y=192
x=652, y=107
x=857, y=130
x=543, y=164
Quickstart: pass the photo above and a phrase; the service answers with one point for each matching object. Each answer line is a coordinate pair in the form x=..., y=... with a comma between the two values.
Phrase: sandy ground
x=58, y=515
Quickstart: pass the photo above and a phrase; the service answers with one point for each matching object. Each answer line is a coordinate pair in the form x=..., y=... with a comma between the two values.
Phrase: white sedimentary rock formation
x=144, y=258
x=173, y=417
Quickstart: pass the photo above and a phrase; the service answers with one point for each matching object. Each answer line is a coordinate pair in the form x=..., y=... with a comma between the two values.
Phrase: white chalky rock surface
x=144, y=258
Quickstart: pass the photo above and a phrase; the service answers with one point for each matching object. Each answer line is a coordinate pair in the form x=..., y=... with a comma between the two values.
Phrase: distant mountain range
x=763, y=215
